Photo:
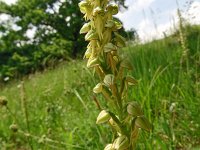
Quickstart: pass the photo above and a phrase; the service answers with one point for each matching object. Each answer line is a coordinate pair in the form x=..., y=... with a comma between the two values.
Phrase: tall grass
x=62, y=111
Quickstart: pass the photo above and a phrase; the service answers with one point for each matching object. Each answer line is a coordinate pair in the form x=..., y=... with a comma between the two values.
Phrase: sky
x=153, y=18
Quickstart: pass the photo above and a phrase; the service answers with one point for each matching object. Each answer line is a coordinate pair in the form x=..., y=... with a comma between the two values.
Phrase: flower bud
x=82, y=5
x=131, y=80
x=143, y=123
x=114, y=125
x=103, y=117
x=85, y=28
x=120, y=41
x=92, y=61
x=91, y=35
x=109, y=47
x=121, y=143
x=88, y=53
x=97, y=11
x=134, y=109
x=110, y=24
x=109, y=80
x=98, y=88
x=126, y=64
x=118, y=25
x=113, y=9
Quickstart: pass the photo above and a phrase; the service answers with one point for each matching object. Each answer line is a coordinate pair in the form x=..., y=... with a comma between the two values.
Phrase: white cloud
x=138, y=4
x=153, y=25
x=134, y=6
x=148, y=29
x=193, y=12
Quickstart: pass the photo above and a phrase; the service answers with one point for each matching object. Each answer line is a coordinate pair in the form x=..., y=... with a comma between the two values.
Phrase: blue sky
x=153, y=17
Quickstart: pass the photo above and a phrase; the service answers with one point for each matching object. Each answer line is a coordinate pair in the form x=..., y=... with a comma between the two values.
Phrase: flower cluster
x=124, y=117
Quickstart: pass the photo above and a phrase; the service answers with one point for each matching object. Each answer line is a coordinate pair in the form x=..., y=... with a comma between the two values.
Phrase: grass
x=61, y=111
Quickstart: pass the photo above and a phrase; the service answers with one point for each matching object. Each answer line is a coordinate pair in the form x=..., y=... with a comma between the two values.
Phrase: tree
x=56, y=25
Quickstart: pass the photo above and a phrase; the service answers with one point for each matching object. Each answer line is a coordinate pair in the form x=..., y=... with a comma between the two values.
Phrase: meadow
x=56, y=109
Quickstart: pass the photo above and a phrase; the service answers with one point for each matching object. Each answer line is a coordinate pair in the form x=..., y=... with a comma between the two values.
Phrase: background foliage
x=61, y=106
x=54, y=27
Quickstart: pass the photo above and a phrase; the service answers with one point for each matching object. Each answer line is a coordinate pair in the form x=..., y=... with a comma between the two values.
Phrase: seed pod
x=3, y=101
x=13, y=127
x=103, y=117
x=134, y=109
x=121, y=143
x=98, y=88
x=143, y=123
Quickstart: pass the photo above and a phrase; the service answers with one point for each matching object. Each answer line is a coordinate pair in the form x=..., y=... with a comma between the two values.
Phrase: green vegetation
x=53, y=27
x=124, y=115
x=61, y=107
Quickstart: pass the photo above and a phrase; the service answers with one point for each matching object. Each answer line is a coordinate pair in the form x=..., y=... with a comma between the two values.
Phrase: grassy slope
x=60, y=103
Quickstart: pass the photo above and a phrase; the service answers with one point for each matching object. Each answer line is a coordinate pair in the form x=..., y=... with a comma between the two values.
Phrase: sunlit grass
x=61, y=108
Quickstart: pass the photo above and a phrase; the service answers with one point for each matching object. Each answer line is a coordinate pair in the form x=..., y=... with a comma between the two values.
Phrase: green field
x=56, y=108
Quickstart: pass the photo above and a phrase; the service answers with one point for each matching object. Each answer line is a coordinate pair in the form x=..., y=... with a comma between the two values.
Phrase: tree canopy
x=39, y=31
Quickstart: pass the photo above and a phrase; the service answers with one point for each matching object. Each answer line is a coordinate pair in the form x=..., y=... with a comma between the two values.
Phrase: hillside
x=56, y=109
